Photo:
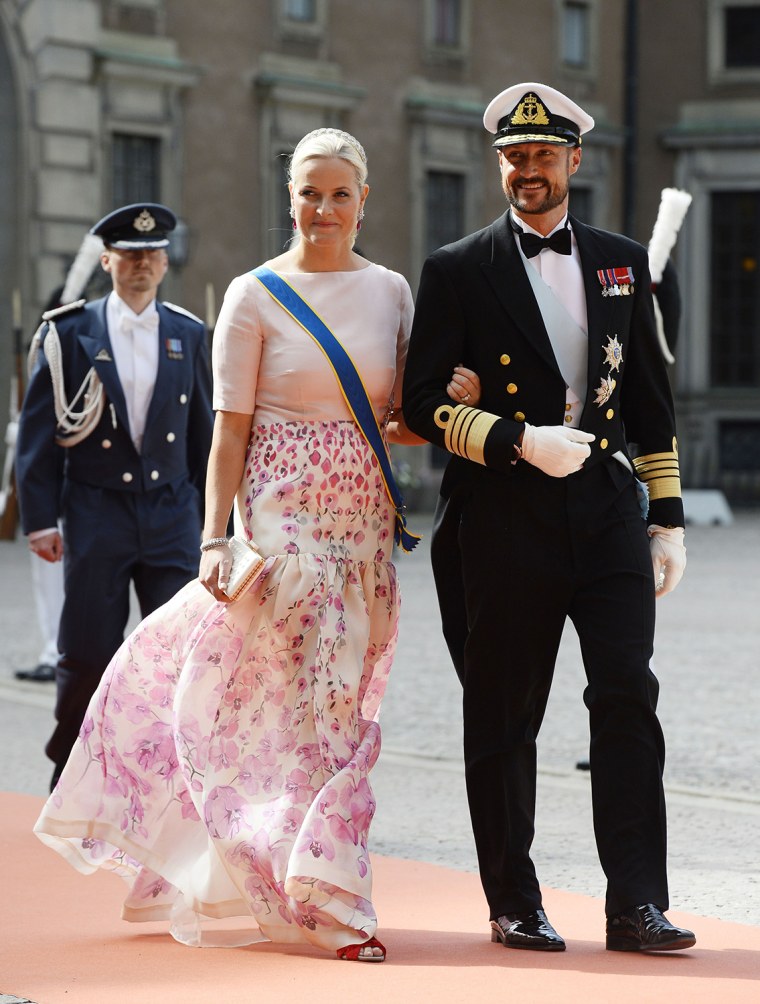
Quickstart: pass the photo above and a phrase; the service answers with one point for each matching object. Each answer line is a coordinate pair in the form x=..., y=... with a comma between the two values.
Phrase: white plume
x=82, y=268
x=674, y=203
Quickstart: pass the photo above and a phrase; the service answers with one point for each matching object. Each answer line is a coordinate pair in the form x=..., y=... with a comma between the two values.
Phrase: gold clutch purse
x=247, y=566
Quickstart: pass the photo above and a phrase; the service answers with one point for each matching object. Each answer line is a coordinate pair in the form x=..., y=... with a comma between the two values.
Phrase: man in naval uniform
x=121, y=390
x=540, y=515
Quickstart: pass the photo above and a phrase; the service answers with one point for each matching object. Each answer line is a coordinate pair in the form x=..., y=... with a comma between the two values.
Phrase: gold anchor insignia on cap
x=144, y=222
x=530, y=111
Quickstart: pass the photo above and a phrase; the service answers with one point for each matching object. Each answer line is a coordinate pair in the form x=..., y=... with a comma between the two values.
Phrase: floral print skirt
x=223, y=765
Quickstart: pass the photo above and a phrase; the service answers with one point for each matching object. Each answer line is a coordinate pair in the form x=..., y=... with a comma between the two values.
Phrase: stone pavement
x=707, y=660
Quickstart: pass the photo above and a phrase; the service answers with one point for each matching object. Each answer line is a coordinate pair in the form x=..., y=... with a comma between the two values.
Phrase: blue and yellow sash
x=351, y=387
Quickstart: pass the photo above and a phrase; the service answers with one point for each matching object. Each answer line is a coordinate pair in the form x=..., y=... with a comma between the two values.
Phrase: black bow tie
x=531, y=244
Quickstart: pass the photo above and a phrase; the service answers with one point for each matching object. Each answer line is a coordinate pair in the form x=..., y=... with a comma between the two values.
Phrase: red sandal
x=351, y=952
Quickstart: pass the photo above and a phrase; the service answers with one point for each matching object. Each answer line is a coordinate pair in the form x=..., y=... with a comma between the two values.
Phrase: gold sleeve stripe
x=664, y=488
x=660, y=473
x=465, y=430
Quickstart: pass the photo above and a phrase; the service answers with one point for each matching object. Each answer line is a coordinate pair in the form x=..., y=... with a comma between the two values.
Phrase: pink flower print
x=137, y=708
x=297, y=786
x=291, y=821
x=245, y=855
x=307, y=621
x=275, y=743
x=334, y=479
x=162, y=696
x=327, y=799
x=86, y=729
x=359, y=804
x=285, y=489
x=95, y=848
x=316, y=840
x=359, y=536
x=155, y=751
x=269, y=776
x=223, y=753
x=342, y=829
x=188, y=810
x=248, y=775
x=155, y=889
x=224, y=812
x=309, y=756
x=362, y=866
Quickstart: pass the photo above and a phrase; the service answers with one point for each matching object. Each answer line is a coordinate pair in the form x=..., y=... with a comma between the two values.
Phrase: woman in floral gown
x=223, y=765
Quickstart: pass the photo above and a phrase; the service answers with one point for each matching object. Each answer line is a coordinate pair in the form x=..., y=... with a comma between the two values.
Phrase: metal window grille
x=136, y=169
x=735, y=289
x=575, y=34
x=444, y=208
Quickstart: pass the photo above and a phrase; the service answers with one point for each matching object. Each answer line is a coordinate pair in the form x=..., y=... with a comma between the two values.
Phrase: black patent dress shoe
x=527, y=930
x=644, y=929
x=41, y=674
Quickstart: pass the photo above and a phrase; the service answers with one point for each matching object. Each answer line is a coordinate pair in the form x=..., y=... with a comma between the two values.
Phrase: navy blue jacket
x=178, y=428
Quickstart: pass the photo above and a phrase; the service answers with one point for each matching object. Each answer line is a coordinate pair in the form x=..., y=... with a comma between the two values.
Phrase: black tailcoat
x=516, y=552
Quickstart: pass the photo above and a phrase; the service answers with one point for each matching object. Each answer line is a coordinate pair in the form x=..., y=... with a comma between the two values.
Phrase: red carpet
x=61, y=940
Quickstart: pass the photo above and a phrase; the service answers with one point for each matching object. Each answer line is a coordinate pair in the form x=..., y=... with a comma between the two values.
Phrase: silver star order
x=613, y=352
x=604, y=391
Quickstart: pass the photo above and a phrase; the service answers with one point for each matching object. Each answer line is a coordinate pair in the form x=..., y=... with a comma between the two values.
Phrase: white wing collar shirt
x=134, y=340
x=562, y=274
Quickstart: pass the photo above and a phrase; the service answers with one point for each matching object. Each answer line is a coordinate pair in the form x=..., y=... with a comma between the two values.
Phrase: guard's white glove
x=668, y=557
x=555, y=449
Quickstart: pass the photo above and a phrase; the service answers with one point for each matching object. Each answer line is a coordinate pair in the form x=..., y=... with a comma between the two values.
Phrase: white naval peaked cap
x=535, y=113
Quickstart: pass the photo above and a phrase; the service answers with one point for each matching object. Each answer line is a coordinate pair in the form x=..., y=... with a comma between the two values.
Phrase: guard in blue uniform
x=542, y=515
x=121, y=391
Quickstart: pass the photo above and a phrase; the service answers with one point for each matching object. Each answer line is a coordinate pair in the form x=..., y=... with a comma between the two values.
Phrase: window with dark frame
x=741, y=26
x=447, y=23
x=575, y=34
x=735, y=289
x=136, y=169
x=304, y=11
x=444, y=208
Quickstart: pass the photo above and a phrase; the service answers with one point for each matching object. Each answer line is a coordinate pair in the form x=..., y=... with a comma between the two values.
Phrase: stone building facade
x=196, y=104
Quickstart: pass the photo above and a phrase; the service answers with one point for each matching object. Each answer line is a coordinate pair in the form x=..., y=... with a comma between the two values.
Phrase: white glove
x=668, y=557
x=555, y=449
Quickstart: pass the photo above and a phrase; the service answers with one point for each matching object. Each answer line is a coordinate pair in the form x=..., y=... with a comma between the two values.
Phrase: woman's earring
x=293, y=217
x=359, y=219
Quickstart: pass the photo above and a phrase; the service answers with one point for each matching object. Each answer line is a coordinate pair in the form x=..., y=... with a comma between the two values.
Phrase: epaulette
x=181, y=310
x=57, y=311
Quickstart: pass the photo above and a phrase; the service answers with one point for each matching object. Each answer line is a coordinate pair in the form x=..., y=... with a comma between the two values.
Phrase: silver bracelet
x=212, y=542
